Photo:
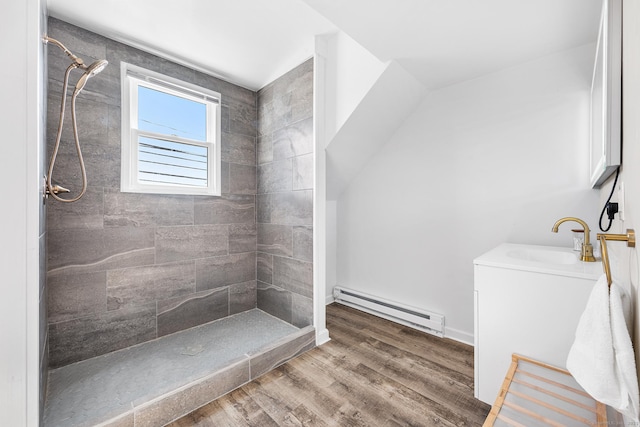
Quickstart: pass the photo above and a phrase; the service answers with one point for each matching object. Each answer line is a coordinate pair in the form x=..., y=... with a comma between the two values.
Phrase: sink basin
x=543, y=255
x=540, y=259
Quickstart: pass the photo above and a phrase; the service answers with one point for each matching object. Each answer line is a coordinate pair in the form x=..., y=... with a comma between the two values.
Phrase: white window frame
x=133, y=77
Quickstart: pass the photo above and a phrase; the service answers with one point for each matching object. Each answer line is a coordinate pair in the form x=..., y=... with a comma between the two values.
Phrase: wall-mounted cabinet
x=606, y=96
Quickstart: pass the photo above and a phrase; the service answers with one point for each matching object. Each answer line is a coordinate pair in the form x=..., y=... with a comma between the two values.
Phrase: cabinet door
x=523, y=312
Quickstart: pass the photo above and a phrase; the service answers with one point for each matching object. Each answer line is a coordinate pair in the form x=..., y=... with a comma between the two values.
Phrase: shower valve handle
x=57, y=189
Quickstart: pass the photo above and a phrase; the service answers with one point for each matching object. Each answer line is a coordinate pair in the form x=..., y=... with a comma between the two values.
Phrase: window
x=170, y=135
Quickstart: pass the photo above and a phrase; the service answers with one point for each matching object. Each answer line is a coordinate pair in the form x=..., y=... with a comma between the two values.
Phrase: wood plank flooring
x=372, y=373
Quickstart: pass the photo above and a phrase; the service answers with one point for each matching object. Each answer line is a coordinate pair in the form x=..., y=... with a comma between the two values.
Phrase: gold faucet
x=586, y=254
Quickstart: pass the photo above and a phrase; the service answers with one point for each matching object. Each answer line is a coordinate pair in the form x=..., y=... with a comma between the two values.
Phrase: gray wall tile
x=186, y=312
x=293, y=140
x=242, y=179
x=243, y=297
x=88, y=212
x=242, y=118
x=275, y=176
x=265, y=149
x=146, y=210
x=92, y=117
x=222, y=271
x=285, y=196
x=228, y=209
x=302, y=107
x=303, y=243
x=144, y=285
x=301, y=311
x=99, y=250
x=263, y=208
x=275, y=239
x=183, y=243
x=298, y=81
x=265, y=267
x=275, y=301
x=240, y=149
x=225, y=177
x=266, y=117
x=294, y=208
x=281, y=105
x=113, y=128
x=86, y=337
x=242, y=238
x=225, y=118
x=303, y=172
x=293, y=275
x=265, y=96
x=99, y=169
x=76, y=295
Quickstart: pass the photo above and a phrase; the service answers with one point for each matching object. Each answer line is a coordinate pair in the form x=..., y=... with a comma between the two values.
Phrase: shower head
x=89, y=72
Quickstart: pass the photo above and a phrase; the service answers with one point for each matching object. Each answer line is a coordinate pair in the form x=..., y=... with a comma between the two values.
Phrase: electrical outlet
x=621, y=201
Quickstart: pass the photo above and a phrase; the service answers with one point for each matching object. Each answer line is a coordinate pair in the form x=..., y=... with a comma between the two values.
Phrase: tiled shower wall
x=285, y=196
x=126, y=268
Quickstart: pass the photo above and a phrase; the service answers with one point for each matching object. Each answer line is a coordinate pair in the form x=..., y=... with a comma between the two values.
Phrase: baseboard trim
x=322, y=336
x=458, y=335
x=451, y=333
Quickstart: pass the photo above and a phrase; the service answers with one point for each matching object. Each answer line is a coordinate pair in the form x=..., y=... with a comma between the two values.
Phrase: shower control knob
x=57, y=189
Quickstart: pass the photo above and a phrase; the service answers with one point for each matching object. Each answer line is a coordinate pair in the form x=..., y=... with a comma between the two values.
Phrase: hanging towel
x=601, y=358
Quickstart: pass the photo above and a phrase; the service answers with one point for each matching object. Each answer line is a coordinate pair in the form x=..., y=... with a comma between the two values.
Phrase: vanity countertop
x=540, y=259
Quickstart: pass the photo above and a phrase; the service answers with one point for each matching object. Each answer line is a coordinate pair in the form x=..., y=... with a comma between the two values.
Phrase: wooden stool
x=535, y=393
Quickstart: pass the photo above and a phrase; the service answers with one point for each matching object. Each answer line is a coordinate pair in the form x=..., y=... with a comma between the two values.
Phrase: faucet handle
x=586, y=253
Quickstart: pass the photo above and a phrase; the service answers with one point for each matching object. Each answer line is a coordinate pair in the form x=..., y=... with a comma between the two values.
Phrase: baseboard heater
x=405, y=315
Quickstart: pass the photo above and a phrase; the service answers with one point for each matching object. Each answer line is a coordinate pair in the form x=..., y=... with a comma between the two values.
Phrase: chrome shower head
x=89, y=72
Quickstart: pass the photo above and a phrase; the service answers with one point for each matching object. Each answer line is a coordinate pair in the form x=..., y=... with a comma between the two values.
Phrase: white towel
x=601, y=358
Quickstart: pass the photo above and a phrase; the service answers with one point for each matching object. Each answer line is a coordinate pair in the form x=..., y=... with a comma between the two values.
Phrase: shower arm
x=78, y=61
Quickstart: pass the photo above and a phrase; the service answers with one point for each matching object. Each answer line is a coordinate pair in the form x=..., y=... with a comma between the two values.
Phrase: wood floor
x=372, y=373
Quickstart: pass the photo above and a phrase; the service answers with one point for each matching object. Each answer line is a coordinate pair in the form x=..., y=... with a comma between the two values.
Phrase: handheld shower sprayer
x=89, y=71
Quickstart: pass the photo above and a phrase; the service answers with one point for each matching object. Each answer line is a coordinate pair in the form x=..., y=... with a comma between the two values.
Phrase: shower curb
x=175, y=404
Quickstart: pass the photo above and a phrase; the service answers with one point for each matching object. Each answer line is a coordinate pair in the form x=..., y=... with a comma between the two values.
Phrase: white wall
x=496, y=159
x=625, y=262
x=351, y=71
x=631, y=144
x=21, y=122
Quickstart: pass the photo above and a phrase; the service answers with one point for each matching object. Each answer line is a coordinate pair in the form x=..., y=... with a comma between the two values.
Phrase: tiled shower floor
x=99, y=389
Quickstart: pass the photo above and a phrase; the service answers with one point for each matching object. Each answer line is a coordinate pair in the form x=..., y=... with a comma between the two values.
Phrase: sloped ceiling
x=246, y=42
x=443, y=42
x=252, y=42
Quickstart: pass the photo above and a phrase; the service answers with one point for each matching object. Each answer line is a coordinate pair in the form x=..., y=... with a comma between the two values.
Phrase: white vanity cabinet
x=528, y=300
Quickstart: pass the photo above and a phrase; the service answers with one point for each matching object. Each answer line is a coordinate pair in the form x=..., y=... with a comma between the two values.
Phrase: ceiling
x=252, y=42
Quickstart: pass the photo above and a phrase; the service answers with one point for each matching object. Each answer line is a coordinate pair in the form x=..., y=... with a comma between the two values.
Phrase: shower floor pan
x=154, y=383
